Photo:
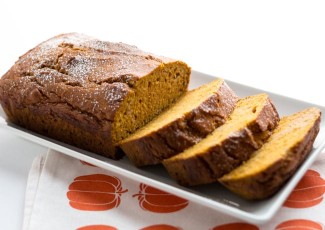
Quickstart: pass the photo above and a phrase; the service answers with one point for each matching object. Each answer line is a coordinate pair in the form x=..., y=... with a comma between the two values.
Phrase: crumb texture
x=247, y=128
x=270, y=166
x=189, y=120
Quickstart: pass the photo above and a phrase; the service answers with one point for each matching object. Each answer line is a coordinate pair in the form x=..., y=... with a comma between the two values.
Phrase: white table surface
x=277, y=46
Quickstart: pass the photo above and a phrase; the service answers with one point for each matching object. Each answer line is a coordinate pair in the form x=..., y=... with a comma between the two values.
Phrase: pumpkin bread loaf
x=89, y=93
x=249, y=125
x=273, y=164
x=189, y=120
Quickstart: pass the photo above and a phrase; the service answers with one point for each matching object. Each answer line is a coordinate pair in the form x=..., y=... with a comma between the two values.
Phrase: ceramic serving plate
x=213, y=196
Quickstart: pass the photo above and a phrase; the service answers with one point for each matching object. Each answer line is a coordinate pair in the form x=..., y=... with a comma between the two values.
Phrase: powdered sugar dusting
x=89, y=75
x=72, y=38
x=80, y=67
x=110, y=47
x=114, y=95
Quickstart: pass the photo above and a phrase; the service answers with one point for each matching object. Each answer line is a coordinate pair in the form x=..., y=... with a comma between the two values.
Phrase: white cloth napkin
x=66, y=193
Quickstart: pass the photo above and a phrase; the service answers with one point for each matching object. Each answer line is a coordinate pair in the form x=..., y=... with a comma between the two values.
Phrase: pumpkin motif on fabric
x=97, y=227
x=309, y=191
x=299, y=224
x=158, y=201
x=161, y=227
x=96, y=192
x=236, y=226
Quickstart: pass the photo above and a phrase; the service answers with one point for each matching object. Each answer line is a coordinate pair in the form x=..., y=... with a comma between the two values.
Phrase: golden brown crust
x=79, y=71
x=183, y=132
x=207, y=166
x=269, y=180
x=78, y=80
x=64, y=131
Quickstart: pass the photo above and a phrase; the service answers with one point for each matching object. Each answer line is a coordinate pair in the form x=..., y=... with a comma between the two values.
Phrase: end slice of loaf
x=248, y=126
x=90, y=93
x=270, y=166
x=189, y=120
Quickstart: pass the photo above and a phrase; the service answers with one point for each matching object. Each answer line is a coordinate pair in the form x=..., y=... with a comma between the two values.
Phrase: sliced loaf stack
x=249, y=125
x=251, y=151
x=270, y=166
x=189, y=120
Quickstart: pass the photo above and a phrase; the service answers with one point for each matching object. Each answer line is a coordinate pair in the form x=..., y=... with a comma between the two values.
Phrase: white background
x=277, y=46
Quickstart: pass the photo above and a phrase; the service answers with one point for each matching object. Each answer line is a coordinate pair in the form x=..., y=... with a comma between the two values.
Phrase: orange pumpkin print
x=161, y=227
x=236, y=226
x=96, y=192
x=97, y=227
x=155, y=200
x=309, y=191
x=299, y=224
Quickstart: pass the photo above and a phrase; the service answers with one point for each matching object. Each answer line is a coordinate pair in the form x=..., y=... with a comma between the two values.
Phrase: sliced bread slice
x=247, y=128
x=182, y=125
x=273, y=164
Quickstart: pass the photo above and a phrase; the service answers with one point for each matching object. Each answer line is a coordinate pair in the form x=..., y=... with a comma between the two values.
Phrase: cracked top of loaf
x=89, y=93
x=77, y=69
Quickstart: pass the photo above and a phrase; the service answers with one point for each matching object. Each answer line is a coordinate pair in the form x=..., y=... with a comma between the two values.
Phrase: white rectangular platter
x=213, y=196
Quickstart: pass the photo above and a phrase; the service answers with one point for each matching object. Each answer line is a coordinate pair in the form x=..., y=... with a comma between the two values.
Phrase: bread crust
x=75, y=81
x=183, y=132
x=265, y=183
x=206, y=167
